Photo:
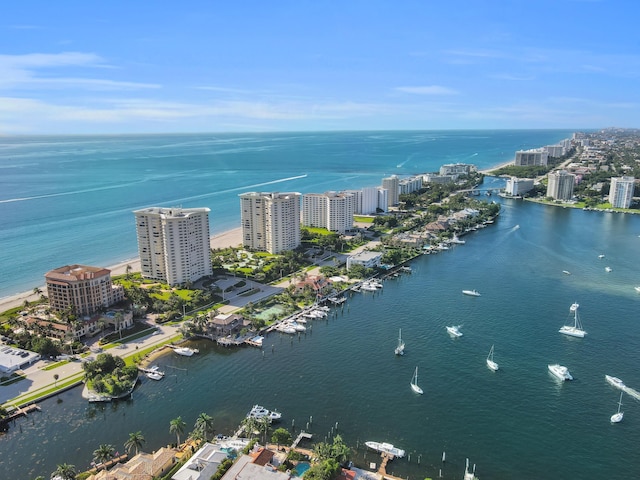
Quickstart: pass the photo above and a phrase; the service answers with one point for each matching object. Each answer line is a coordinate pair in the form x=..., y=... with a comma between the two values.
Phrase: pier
x=301, y=436
x=20, y=411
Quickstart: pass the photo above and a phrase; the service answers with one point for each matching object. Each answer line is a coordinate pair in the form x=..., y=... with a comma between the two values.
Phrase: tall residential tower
x=174, y=244
x=270, y=221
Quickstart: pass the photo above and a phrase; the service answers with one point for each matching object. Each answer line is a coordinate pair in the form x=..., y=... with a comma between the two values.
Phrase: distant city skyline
x=121, y=67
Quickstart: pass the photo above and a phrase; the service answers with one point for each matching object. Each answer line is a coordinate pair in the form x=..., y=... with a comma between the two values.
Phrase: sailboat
x=400, y=348
x=574, y=330
x=490, y=363
x=617, y=417
x=414, y=383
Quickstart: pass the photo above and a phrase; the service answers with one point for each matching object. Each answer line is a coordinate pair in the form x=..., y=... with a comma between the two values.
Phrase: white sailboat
x=617, y=417
x=574, y=330
x=490, y=363
x=414, y=383
x=400, y=348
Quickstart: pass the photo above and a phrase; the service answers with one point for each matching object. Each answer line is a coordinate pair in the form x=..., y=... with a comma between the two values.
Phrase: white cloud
x=24, y=72
x=427, y=90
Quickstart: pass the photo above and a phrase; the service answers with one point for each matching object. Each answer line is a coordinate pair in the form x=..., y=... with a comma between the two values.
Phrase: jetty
x=301, y=436
x=19, y=412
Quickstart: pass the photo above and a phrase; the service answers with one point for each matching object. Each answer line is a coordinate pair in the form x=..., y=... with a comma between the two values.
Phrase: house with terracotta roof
x=144, y=466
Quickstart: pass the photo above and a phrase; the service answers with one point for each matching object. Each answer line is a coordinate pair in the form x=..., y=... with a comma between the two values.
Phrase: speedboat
x=560, y=371
x=384, y=447
x=566, y=272
x=154, y=373
x=615, y=381
x=454, y=330
x=473, y=293
x=637, y=289
x=607, y=269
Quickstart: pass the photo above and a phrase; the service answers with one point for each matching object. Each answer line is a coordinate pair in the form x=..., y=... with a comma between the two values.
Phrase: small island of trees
x=108, y=375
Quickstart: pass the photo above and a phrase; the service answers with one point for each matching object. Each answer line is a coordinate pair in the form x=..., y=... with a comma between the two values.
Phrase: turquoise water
x=302, y=467
x=68, y=199
x=342, y=375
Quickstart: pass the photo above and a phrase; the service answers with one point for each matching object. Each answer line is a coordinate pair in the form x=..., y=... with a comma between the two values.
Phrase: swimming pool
x=302, y=467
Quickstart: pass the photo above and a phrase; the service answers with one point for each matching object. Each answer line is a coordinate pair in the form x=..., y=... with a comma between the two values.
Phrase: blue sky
x=197, y=66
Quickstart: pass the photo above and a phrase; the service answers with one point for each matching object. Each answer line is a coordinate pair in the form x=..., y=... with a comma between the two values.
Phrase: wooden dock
x=301, y=436
x=20, y=411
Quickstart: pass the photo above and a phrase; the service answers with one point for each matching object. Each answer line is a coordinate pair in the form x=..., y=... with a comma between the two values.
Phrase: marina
x=523, y=329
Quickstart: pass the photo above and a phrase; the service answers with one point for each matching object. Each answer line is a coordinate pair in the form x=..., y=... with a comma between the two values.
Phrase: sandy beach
x=230, y=238
x=487, y=171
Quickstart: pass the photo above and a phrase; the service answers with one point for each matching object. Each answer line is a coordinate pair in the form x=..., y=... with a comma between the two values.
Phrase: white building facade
x=518, y=186
x=392, y=185
x=621, y=191
x=331, y=210
x=174, y=244
x=270, y=221
x=560, y=186
x=538, y=156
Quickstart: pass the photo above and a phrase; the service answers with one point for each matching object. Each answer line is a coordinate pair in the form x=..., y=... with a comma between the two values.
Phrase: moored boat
x=618, y=416
x=576, y=329
x=454, y=330
x=560, y=372
x=185, y=351
x=258, y=411
x=384, y=447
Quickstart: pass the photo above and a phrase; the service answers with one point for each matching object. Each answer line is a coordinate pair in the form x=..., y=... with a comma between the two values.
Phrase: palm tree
x=65, y=472
x=135, y=442
x=204, y=425
x=250, y=425
x=177, y=426
x=55, y=378
x=104, y=453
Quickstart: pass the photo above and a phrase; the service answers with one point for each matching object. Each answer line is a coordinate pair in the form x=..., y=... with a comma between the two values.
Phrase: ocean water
x=343, y=377
x=69, y=199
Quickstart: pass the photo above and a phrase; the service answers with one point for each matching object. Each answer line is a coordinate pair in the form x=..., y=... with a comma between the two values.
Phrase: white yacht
x=454, y=330
x=400, y=348
x=607, y=269
x=414, y=383
x=618, y=416
x=560, y=371
x=185, y=351
x=384, y=447
x=615, y=381
x=574, y=330
x=368, y=287
x=472, y=293
x=154, y=373
x=258, y=411
x=490, y=363
x=637, y=289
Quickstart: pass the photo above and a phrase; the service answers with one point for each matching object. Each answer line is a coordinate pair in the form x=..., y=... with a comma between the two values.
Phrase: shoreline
x=229, y=238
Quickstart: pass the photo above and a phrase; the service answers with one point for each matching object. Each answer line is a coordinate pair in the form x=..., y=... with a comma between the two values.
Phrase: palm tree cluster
x=109, y=374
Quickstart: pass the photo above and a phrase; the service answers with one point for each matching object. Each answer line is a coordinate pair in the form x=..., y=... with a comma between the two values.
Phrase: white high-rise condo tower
x=174, y=244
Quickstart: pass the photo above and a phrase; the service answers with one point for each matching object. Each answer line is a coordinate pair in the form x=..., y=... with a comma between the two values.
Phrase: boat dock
x=382, y=470
x=301, y=437
x=20, y=411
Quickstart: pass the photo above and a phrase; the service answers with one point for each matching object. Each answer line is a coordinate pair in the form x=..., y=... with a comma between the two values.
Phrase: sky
x=81, y=67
